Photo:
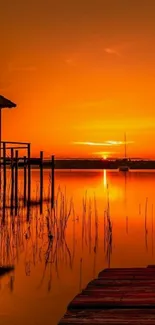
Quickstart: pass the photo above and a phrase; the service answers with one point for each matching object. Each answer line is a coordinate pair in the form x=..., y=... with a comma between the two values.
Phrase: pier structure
x=11, y=158
x=117, y=296
x=13, y=161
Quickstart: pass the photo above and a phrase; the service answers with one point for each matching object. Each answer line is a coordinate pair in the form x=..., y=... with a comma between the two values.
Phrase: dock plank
x=111, y=272
x=127, y=277
x=120, y=282
x=110, y=290
x=110, y=317
x=112, y=302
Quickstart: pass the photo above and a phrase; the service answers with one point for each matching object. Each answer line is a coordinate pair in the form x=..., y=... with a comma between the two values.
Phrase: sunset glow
x=92, y=81
x=77, y=162
x=105, y=154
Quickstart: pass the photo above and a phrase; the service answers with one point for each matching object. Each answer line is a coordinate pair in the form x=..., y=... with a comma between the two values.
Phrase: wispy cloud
x=85, y=143
x=119, y=48
x=70, y=62
x=112, y=51
x=108, y=143
x=117, y=143
x=107, y=153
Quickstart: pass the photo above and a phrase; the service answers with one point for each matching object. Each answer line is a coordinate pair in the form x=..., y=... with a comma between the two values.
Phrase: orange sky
x=79, y=71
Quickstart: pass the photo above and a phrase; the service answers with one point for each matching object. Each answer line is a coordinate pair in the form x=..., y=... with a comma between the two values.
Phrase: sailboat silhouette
x=124, y=167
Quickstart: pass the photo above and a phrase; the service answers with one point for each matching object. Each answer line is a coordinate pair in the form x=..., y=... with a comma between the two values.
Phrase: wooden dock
x=117, y=296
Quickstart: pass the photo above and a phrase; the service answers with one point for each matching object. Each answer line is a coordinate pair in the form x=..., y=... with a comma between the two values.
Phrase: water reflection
x=99, y=220
x=105, y=178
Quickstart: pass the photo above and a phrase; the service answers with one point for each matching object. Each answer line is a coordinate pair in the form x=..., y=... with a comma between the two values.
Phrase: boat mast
x=125, y=144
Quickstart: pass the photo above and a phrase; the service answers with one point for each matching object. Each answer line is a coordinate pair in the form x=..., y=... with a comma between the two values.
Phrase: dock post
x=16, y=181
x=52, y=181
x=4, y=180
x=0, y=162
x=25, y=180
x=41, y=180
x=4, y=166
x=29, y=181
x=29, y=174
x=12, y=180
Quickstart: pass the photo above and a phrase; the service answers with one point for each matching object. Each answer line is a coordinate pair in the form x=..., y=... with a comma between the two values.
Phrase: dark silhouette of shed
x=4, y=103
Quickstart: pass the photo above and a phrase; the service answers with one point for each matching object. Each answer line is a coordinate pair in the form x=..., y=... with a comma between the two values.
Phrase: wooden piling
x=16, y=180
x=4, y=167
x=29, y=173
x=52, y=181
x=4, y=180
x=12, y=179
x=25, y=180
x=41, y=180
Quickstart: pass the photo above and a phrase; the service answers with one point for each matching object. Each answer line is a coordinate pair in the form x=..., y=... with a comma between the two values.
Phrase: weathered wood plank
x=112, y=316
x=118, y=269
x=113, y=282
x=146, y=272
x=113, y=301
x=107, y=290
x=151, y=266
x=125, y=269
x=110, y=272
x=122, y=294
x=127, y=277
x=109, y=282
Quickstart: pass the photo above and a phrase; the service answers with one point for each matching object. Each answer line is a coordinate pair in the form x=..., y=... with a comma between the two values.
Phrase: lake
x=101, y=219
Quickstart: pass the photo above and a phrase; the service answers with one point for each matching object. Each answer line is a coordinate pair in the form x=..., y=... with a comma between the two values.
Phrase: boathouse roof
x=6, y=103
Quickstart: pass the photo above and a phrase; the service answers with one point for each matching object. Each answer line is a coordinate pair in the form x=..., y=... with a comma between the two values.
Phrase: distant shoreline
x=70, y=164
x=90, y=164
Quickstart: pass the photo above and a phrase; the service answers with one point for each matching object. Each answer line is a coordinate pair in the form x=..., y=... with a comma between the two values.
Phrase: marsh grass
x=152, y=226
x=42, y=238
x=146, y=227
x=108, y=231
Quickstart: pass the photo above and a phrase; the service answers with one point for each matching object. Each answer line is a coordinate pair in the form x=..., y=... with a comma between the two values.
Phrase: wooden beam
x=15, y=142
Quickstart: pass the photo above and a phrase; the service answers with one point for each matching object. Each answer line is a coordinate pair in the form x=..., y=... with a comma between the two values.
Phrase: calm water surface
x=101, y=219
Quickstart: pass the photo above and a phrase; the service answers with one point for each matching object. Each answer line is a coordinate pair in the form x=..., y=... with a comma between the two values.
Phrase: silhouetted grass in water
x=96, y=236
x=152, y=223
x=146, y=229
x=127, y=224
x=80, y=280
x=11, y=231
x=90, y=225
x=42, y=238
x=84, y=213
x=96, y=225
x=74, y=234
x=107, y=231
x=89, y=213
x=139, y=208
